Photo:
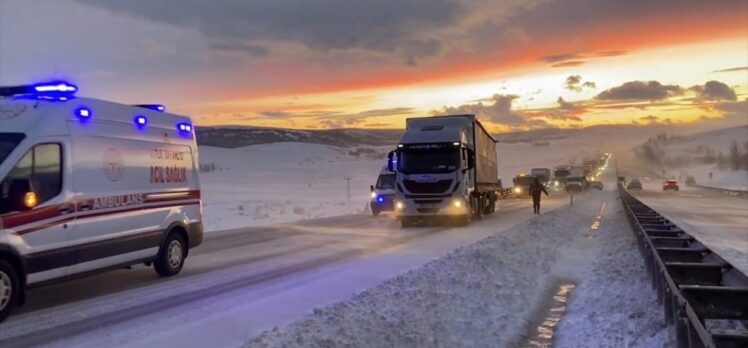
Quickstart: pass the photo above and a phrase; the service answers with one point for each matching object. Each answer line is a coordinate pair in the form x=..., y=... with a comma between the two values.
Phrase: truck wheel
x=170, y=259
x=10, y=288
x=406, y=222
x=477, y=207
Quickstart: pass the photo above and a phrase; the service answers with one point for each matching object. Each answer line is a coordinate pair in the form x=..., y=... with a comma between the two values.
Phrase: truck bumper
x=431, y=207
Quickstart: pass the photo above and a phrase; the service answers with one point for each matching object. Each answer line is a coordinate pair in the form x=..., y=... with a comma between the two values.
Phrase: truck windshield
x=524, y=180
x=8, y=142
x=386, y=182
x=560, y=173
x=431, y=161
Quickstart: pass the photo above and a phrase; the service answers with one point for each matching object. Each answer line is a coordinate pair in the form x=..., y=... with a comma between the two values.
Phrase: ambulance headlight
x=373, y=195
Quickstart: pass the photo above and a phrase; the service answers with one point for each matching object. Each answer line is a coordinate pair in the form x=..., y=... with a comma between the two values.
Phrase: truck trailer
x=446, y=170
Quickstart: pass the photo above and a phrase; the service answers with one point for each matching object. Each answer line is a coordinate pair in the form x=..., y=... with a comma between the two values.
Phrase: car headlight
x=399, y=205
x=517, y=190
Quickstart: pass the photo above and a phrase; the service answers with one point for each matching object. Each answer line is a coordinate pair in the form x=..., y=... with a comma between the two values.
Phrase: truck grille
x=440, y=186
x=428, y=201
x=428, y=210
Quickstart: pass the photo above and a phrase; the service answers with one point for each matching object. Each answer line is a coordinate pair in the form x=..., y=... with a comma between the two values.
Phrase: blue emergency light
x=140, y=121
x=53, y=90
x=154, y=107
x=184, y=127
x=83, y=113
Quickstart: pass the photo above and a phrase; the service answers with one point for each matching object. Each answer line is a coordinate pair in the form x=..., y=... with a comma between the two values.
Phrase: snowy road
x=241, y=282
x=718, y=221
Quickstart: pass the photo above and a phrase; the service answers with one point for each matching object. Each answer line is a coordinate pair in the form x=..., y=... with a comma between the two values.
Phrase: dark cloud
x=654, y=120
x=565, y=105
x=714, y=90
x=569, y=63
x=254, y=50
x=574, y=83
x=610, y=53
x=276, y=113
x=334, y=119
x=373, y=25
x=640, y=90
x=497, y=111
x=556, y=58
x=742, y=68
x=734, y=110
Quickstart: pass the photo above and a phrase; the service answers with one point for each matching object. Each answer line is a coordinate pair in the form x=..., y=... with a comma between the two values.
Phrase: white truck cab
x=88, y=185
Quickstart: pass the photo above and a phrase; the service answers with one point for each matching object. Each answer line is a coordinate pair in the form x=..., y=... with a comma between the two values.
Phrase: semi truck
x=446, y=170
x=543, y=174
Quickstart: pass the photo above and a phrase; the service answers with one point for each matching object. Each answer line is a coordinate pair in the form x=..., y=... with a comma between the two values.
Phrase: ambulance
x=89, y=185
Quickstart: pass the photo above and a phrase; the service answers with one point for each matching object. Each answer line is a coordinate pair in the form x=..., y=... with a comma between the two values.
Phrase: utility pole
x=348, y=185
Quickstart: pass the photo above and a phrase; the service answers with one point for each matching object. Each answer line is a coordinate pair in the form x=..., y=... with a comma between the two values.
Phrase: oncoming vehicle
x=670, y=185
x=88, y=185
x=690, y=181
x=576, y=184
x=383, y=193
x=543, y=174
x=522, y=184
x=634, y=184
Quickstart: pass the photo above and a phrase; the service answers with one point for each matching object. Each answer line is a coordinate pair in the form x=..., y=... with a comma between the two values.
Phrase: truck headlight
x=457, y=203
x=517, y=190
x=399, y=205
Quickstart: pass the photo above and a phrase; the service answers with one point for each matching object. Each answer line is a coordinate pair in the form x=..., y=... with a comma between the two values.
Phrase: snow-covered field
x=284, y=182
x=690, y=149
x=490, y=294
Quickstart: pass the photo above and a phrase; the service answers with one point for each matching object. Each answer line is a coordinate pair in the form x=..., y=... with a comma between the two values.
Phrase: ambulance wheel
x=10, y=288
x=170, y=259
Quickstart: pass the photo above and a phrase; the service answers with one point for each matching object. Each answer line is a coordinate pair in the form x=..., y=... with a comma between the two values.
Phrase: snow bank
x=482, y=295
x=613, y=304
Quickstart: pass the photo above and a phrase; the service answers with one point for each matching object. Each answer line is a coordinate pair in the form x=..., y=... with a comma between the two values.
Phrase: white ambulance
x=89, y=185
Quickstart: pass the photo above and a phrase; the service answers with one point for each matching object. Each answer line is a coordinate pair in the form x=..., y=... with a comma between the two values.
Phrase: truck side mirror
x=390, y=165
x=21, y=196
x=470, y=159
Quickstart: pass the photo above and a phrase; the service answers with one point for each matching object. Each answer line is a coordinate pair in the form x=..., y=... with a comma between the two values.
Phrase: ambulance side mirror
x=390, y=165
x=371, y=188
x=21, y=196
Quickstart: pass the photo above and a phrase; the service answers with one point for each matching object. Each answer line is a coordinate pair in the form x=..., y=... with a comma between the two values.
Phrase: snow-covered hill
x=238, y=136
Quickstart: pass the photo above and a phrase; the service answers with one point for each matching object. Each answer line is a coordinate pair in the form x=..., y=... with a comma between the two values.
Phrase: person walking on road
x=536, y=188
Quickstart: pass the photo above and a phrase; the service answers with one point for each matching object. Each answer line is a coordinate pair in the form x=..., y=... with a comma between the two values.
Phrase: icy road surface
x=718, y=221
x=241, y=282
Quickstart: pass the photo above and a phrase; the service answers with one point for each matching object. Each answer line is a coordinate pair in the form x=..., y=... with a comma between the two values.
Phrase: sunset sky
x=371, y=63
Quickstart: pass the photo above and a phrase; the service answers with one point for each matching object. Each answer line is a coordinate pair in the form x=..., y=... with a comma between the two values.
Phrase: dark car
x=576, y=184
x=634, y=184
x=597, y=184
x=690, y=181
x=670, y=185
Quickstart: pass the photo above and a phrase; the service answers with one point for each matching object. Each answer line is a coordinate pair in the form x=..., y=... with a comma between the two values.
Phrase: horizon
x=370, y=65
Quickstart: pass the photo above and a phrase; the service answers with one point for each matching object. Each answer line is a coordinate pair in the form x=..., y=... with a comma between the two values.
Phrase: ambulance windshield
x=8, y=142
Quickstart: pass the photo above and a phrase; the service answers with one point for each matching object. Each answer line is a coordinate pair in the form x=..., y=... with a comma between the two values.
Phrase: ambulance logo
x=114, y=166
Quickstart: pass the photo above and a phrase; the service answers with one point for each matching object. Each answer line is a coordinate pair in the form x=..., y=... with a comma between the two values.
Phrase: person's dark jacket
x=536, y=189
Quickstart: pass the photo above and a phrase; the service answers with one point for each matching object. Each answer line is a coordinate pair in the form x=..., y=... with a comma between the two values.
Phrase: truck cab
x=446, y=170
x=522, y=184
x=383, y=192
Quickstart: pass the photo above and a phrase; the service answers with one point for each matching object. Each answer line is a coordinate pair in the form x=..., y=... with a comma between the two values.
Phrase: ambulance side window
x=42, y=167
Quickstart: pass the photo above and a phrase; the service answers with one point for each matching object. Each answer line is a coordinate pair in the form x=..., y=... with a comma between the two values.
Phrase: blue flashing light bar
x=154, y=107
x=54, y=87
x=184, y=127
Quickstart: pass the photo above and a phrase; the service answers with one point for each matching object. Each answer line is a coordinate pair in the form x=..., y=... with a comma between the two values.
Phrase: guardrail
x=704, y=297
x=725, y=191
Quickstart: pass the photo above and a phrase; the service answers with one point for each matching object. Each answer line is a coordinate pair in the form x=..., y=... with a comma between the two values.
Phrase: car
x=670, y=185
x=597, y=184
x=383, y=193
x=89, y=185
x=690, y=181
x=576, y=184
x=634, y=184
